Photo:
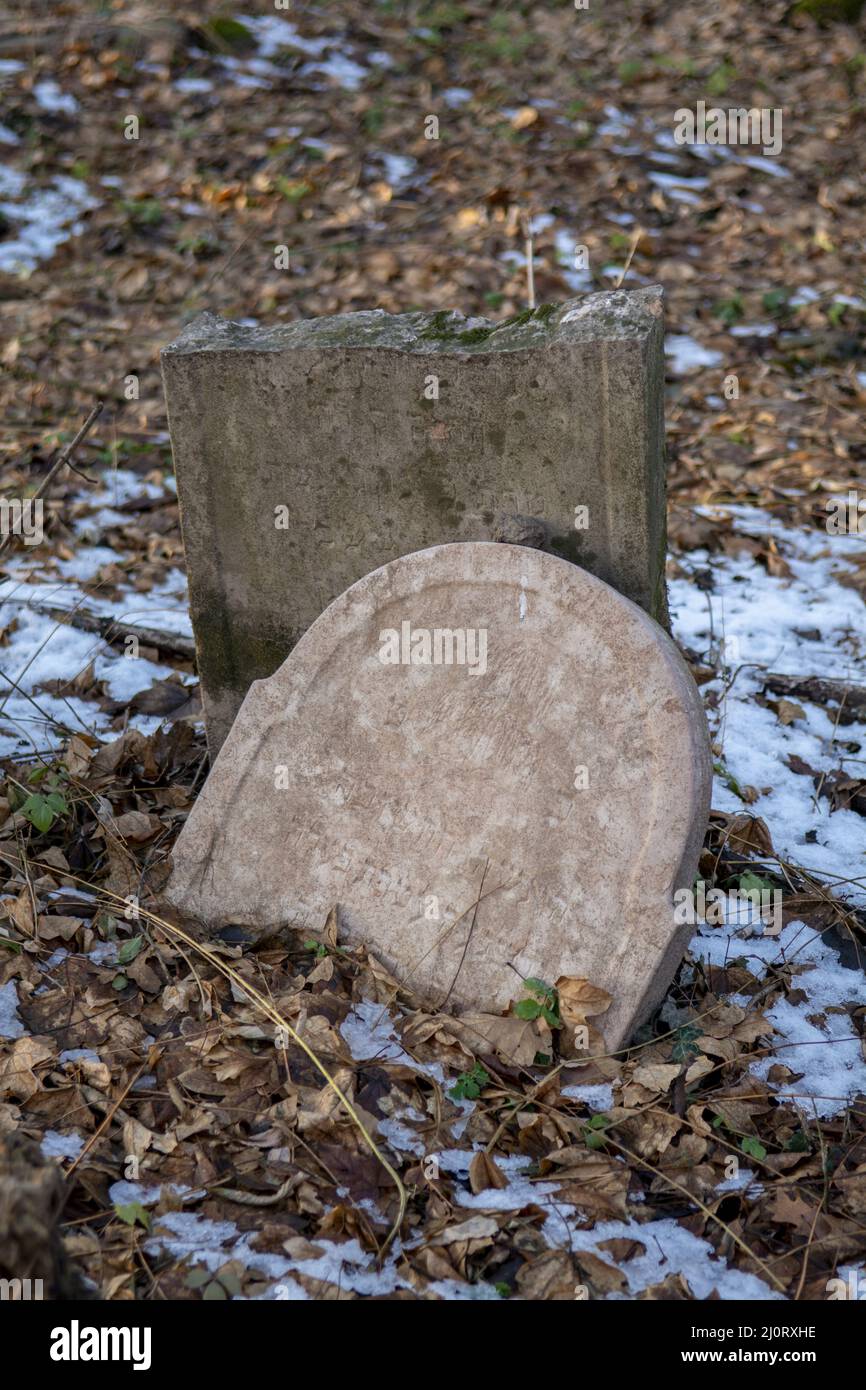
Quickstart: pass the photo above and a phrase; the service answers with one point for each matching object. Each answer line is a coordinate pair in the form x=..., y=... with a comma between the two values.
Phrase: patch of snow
x=50, y=98
x=57, y=1145
x=565, y=246
x=669, y=1248
x=809, y=1038
x=743, y=1179
x=808, y=624
x=672, y=181
x=766, y=166
x=616, y=122
x=124, y=1192
x=753, y=330
x=688, y=355
x=193, y=85
x=11, y=1025
x=47, y=218
x=369, y=1032
x=274, y=34
x=399, y=168
x=104, y=953
x=597, y=1096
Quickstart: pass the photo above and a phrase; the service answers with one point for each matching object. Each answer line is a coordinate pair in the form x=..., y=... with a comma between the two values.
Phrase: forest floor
x=203, y=1153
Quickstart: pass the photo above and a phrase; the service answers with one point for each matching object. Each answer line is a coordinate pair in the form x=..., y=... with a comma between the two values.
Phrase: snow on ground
x=57, y=1145
x=810, y=1038
x=41, y=218
x=276, y=36
x=11, y=1025
x=40, y=648
x=662, y=1247
x=807, y=625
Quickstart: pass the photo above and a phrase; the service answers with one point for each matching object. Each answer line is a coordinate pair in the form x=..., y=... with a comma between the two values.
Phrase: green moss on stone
x=233, y=656
x=826, y=11
x=517, y=319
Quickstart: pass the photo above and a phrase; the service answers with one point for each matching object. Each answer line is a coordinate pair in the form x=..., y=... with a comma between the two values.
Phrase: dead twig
x=64, y=457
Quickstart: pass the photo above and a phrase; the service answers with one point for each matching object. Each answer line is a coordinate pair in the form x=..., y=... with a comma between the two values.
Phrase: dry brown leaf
x=515, y=1040
x=658, y=1077
x=483, y=1173
x=580, y=999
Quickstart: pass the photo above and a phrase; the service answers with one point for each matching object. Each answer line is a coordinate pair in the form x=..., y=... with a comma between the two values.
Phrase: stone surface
x=565, y=763
x=309, y=454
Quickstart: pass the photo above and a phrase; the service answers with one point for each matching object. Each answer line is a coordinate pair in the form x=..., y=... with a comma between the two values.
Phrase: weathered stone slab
x=311, y=453
x=560, y=759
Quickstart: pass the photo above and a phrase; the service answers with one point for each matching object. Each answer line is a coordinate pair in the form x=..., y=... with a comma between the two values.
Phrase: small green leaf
x=224, y=32
x=684, y=1044
x=196, y=1278
x=753, y=1147
x=119, y=982
x=750, y=882
x=470, y=1084
x=528, y=1009
x=214, y=1291
x=798, y=1143
x=38, y=810
x=129, y=950
x=132, y=1213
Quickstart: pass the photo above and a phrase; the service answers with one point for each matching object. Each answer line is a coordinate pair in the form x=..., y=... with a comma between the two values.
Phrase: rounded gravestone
x=491, y=761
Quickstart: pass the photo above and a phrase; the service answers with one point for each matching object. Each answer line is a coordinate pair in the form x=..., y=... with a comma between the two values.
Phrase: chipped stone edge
x=608, y=316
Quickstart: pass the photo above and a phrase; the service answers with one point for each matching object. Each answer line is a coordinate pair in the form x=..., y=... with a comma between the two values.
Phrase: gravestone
x=311, y=453
x=496, y=765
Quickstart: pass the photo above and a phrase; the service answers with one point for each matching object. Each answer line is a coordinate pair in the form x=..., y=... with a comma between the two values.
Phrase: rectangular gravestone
x=310, y=453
